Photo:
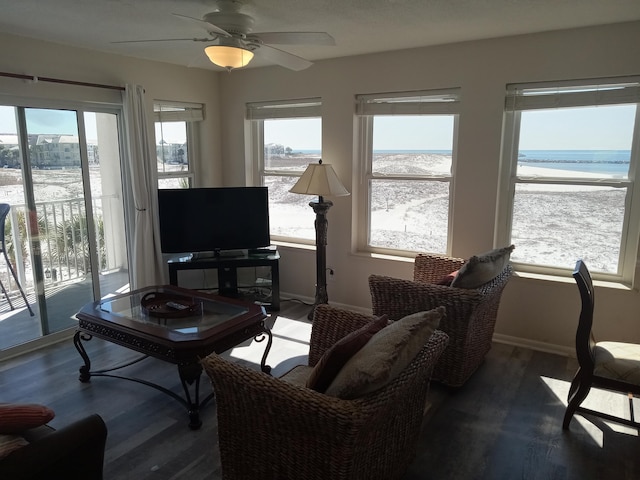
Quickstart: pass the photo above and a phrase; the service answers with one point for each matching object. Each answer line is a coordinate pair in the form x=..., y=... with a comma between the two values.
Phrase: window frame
x=256, y=114
x=424, y=102
x=567, y=94
x=190, y=113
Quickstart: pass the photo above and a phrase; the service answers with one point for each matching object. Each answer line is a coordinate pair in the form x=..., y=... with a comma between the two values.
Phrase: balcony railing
x=63, y=242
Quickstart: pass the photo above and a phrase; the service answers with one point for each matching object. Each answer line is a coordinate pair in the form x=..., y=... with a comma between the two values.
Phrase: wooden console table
x=229, y=281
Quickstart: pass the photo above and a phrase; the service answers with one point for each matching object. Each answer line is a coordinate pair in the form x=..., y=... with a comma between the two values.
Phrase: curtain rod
x=58, y=80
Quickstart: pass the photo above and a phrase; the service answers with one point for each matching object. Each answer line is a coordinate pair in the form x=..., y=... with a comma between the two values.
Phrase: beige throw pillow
x=386, y=355
x=337, y=356
x=483, y=268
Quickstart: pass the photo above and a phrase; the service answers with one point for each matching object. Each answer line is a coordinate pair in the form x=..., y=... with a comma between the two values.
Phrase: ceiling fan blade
x=282, y=58
x=167, y=40
x=211, y=28
x=294, y=38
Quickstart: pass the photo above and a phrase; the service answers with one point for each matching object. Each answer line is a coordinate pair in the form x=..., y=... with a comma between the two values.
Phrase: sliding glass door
x=64, y=235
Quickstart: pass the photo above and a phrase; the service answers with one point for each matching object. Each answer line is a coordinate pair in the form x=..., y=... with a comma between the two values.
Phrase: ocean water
x=577, y=156
x=613, y=162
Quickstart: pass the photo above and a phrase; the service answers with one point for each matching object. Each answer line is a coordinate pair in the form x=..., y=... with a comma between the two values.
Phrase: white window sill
x=569, y=279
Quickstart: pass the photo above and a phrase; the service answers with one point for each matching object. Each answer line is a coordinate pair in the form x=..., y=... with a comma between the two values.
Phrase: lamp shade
x=320, y=179
x=229, y=56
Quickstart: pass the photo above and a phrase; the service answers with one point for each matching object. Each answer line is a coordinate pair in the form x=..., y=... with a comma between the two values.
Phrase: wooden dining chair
x=613, y=366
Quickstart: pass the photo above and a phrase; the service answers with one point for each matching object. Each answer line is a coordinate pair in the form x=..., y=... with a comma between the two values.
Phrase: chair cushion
x=384, y=357
x=618, y=361
x=15, y=418
x=298, y=375
x=337, y=356
x=480, y=269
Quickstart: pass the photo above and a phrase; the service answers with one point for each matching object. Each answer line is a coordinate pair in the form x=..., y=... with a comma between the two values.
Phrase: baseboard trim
x=37, y=344
x=310, y=300
x=497, y=337
x=534, y=345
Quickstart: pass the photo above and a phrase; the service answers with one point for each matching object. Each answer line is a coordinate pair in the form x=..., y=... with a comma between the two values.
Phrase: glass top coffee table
x=173, y=324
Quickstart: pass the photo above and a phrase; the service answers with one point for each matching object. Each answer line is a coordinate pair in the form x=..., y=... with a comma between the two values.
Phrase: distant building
x=52, y=151
x=171, y=153
x=48, y=151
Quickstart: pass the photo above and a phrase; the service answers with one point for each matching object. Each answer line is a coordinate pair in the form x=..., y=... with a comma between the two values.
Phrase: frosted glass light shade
x=320, y=179
x=228, y=57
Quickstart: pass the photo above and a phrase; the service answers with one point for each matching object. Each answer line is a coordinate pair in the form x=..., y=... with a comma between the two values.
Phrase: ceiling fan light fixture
x=229, y=56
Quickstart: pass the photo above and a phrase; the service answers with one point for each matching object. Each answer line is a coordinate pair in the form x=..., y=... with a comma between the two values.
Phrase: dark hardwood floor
x=505, y=423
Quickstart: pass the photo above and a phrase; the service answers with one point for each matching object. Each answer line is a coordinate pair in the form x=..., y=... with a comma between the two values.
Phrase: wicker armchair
x=269, y=428
x=471, y=313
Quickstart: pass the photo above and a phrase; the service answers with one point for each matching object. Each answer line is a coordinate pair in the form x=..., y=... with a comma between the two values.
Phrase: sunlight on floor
x=10, y=313
x=614, y=403
x=123, y=289
x=119, y=291
x=290, y=339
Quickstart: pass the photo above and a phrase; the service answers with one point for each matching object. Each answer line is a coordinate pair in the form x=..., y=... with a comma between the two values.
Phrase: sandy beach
x=552, y=224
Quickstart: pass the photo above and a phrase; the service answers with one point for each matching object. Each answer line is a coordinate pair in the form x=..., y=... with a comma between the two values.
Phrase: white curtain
x=146, y=256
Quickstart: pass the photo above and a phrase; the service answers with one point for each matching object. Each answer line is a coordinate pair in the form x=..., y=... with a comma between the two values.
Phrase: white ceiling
x=358, y=26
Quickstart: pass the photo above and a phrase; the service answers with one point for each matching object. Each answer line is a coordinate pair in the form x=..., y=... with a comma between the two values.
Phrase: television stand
x=249, y=277
x=230, y=253
x=202, y=255
x=216, y=254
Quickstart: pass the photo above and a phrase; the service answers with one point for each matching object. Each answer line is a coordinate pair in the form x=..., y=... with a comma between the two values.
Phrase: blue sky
x=63, y=122
x=40, y=121
x=598, y=128
x=592, y=128
x=587, y=128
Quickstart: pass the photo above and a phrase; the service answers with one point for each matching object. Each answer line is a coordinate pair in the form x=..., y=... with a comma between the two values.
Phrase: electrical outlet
x=331, y=274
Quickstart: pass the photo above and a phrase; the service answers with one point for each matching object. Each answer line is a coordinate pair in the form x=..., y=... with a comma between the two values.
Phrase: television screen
x=213, y=219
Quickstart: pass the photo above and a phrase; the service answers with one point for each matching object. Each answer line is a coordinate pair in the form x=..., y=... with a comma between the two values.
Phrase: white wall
x=533, y=310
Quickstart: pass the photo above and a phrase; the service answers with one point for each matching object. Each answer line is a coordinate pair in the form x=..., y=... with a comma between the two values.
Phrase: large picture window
x=287, y=136
x=176, y=142
x=570, y=158
x=408, y=156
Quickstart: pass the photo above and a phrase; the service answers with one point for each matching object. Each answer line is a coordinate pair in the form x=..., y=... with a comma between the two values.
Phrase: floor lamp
x=320, y=179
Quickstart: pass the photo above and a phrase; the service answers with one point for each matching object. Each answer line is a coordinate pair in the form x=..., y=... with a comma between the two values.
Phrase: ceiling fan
x=232, y=42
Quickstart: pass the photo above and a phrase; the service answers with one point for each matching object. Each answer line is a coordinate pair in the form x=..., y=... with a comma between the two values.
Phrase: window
x=408, y=152
x=287, y=136
x=569, y=179
x=175, y=142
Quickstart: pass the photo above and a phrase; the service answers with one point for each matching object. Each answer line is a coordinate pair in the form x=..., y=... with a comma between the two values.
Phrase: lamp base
x=320, y=208
x=321, y=297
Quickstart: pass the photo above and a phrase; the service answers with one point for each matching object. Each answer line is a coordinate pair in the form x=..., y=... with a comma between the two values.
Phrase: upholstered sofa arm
x=74, y=452
x=433, y=268
x=330, y=324
x=269, y=428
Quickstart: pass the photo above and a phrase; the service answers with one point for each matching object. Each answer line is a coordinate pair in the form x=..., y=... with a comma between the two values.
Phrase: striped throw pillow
x=15, y=418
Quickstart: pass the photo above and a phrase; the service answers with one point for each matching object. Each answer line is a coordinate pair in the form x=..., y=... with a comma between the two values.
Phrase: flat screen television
x=212, y=220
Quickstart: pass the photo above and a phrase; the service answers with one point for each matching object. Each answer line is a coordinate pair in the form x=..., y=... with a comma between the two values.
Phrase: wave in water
x=574, y=156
